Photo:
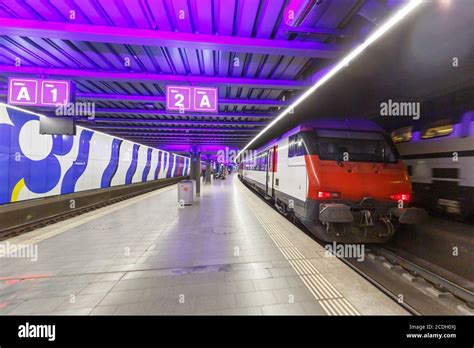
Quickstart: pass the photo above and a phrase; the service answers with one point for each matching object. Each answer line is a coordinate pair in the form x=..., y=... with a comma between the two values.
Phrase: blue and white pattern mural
x=34, y=165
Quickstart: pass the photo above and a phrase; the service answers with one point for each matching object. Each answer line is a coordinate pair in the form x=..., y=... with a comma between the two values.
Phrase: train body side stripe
x=467, y=153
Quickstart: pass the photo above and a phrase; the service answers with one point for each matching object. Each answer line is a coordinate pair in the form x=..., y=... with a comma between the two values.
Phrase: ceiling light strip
x=400, y=15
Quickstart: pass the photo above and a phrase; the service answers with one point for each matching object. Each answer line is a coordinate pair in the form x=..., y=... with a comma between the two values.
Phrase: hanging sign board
x=184, y=98
x=38, y=92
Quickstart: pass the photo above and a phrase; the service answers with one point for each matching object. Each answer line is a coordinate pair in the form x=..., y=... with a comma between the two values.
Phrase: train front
x=358, y=187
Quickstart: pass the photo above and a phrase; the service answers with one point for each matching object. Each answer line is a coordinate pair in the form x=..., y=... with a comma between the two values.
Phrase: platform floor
x=229, y=253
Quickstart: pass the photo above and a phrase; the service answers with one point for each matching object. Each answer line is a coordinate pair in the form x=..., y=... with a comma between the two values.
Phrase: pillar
x=195, y=172
x=208, y=170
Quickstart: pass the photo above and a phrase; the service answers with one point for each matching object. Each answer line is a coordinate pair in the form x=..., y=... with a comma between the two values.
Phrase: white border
x=196, y=89
x=68, y=97
x=10, y=91
x=168, y=107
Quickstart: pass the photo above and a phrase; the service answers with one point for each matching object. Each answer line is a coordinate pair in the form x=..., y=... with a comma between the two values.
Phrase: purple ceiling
x=259, y=53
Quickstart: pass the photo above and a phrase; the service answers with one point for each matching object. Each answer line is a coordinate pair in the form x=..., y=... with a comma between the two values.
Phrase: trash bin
x=186, y=192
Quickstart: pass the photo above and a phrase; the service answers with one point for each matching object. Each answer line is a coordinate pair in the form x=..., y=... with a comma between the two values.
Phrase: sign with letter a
x=205, y=99
x=22, y=92
x=38, y=92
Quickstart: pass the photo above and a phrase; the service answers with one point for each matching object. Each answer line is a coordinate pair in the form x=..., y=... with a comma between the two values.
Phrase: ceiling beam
x=104, y=75
x=111, y=127
x=185, y=141
x=161, y=99
x=195, y=114
x=155, y=112
x=157, y=38
x=315, y=31
x=175, y=122
x=164, y=145
x=182, y=134
x=135, y=136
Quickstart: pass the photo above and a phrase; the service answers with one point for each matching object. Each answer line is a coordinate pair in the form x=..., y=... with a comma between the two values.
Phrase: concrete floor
x=229, y=253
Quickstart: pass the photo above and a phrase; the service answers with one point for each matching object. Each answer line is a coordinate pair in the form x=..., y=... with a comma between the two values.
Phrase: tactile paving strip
x=330, y=299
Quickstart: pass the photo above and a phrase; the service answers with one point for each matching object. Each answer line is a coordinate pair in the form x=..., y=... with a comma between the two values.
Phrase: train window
x=440, y=131
x=291, y=145
x=401, y=135
x=445, y=173
x=295, y=145
x=260, y=162
x=338, y=145
x=299, y=146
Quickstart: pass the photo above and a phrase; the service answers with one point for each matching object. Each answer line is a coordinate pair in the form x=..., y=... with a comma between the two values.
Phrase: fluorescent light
x=343, y=63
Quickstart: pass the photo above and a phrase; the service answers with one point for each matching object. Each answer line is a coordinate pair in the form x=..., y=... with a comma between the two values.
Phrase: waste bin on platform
x=186, y=192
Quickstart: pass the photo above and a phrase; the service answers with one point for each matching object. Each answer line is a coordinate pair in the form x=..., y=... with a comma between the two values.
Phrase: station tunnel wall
x=35, y=166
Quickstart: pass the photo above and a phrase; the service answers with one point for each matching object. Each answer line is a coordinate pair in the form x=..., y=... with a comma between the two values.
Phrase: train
x=343, y=180
x=440, y=161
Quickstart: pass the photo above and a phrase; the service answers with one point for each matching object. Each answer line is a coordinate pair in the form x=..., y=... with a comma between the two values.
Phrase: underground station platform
x=276, y=166
x=228, y=254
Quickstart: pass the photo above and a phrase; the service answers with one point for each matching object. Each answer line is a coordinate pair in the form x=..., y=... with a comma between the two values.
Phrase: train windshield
x=340, y=145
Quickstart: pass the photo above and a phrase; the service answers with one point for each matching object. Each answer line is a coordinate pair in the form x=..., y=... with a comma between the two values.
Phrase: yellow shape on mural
x=16, y=190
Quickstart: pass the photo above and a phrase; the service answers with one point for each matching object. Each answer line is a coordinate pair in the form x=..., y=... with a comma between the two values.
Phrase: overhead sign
x=178, y=98
x=38, y=92
x=184, y=98
x=205, y=99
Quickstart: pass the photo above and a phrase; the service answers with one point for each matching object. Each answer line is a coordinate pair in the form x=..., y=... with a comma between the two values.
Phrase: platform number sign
x=38, y=92
x=205, y=99
x=183, y=98
x=22, y=92
x=55, y=92
x=178, y=98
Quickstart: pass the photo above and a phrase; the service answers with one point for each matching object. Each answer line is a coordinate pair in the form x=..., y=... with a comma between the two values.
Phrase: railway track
x=455, y=296
x=419, y=290
x=13, y=232
x=62, y=214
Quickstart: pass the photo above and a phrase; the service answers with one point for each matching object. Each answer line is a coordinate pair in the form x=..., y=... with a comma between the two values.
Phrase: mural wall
x=34, y=165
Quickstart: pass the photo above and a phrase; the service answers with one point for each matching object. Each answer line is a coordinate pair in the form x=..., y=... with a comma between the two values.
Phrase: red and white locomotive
x=344, y=180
